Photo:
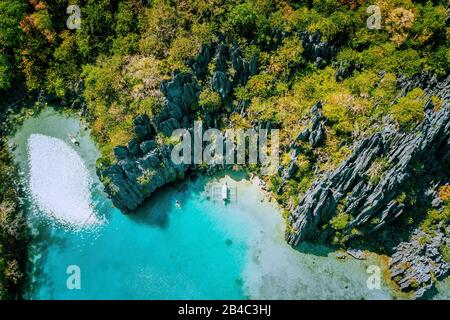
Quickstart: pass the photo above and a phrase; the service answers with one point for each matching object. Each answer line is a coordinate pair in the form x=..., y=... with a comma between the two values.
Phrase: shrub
x=444, y=193
x=242, y=19
x=445, y=251
x=376, y=170
x=287, y=58
x=439, y=61
x=209, y=100
x=145, y=178
x=261, y=85
x=274, y=183
x=398, y=21
x=431, y=21
x=181, y=50
x=402, y=198
x=5, y=72
x=337, y=110
x=434, y=218
x=340, y=221
x=408, y=111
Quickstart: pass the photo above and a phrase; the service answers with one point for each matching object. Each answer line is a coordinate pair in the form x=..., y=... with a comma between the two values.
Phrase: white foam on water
x=60, y=182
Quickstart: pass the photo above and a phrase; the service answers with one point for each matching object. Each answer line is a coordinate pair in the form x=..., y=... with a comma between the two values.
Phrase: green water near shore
x=204, y=250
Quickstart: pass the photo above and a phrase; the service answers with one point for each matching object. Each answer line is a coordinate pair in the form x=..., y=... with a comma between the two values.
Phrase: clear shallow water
x=204, y=250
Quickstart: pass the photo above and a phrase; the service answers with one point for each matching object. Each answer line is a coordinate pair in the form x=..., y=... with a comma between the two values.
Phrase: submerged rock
x=357, y=254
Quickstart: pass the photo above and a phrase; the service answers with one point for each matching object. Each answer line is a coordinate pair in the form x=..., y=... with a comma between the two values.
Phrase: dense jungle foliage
x=112, y=66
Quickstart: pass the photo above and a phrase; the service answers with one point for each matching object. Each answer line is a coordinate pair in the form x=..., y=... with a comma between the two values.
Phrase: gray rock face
x=148, y=145
x=314, y=135
x=142, y=127
x=317, y=132
x=220, y=84
x=243, y=69
x=121, y=152
x=318, y=51
x=416, y=264
x=199, y=65
x=345, y=70
x=130, y=182
x=143, y=166
x=372, y=204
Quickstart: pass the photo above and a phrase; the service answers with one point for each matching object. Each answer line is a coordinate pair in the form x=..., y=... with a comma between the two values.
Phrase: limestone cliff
x=417, y=159
x=144, y=165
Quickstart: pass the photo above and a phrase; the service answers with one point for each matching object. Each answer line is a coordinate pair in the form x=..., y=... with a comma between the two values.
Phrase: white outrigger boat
x=225, y=192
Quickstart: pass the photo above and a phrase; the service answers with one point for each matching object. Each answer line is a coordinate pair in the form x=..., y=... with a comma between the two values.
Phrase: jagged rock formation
x=143, y=166
x=140, y=170
x=199, y=64
x=372, y=202
x=416, y=264
x=345, y=69
x=351, y=183
x=314, y=135
x=318, y=51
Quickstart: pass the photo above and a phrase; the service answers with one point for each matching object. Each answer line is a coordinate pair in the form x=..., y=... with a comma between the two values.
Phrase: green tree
x=11, y=13
x=5, y=72
x=408, y=111
x=210, y=101
x=242, y=19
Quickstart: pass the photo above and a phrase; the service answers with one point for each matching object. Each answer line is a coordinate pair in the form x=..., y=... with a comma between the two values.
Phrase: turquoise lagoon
x=204, y=250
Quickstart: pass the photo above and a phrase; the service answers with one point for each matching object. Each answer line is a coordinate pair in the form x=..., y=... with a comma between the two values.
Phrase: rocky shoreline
x=14, y=233
x=415, y=266
x=144, y=165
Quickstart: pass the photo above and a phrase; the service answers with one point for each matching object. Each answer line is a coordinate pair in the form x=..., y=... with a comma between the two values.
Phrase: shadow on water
x=430, y=294
x=315, y=249
x=153, y=211
x=156, y=210
x=235, y=175
x=41, y=238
